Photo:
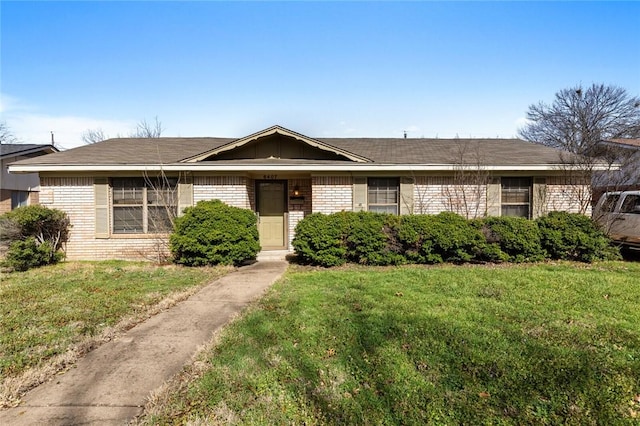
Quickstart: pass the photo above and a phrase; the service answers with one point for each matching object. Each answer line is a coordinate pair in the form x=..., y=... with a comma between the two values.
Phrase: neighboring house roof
x=341, y=154
x=623, y=143
x=19, y=149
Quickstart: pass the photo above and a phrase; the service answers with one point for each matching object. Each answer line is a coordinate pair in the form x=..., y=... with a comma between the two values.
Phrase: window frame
x=392, y=185
x=524, y=186
x=141, y=191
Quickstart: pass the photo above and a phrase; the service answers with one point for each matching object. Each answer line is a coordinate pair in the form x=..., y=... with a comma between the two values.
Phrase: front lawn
x=541, y=344
x=45, y=312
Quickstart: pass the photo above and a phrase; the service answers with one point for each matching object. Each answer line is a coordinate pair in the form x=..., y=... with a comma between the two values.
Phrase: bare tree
x=144, y=129
x=92, y=136
x=579, y=119
x=162, y=196
x=6, y=135
x=466, y=195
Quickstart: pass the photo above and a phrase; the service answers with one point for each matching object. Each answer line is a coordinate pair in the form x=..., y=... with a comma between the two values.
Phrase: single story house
x=120, y=194
x=19, y=190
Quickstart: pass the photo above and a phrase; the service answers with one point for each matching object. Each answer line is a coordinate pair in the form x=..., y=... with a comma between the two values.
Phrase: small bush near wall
x=372, y=239
x=212, y=233
x=454, y=239
x=518, y=238
x=35, y=236
x=572, y=236
x=319, y=239
x=381, y=239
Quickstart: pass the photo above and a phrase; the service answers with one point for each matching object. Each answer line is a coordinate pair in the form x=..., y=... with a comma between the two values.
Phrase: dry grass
x=171, y=285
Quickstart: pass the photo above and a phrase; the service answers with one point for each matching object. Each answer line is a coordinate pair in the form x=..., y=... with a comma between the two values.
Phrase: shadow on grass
x=369, y=366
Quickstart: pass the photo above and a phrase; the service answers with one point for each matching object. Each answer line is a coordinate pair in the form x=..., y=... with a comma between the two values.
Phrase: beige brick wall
x=436, y=194
x=298, y=211
x=564, y=195
x=332, y=194
x=75, y=196
x=325, y=194
x=236, y=191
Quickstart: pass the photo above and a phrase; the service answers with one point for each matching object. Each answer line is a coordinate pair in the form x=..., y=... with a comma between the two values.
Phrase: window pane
x=128, y=191
x=610, y=202
x=518, y=211
x=392, y=209
x=516, y=190
x=630, y=203
x=164, y=197
x=19, y=199
x=127, y=220
x=383, y=194
x=160, y=219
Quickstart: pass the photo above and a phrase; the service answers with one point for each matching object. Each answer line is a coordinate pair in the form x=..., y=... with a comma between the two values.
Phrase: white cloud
x=67, y=130
x=30, y=126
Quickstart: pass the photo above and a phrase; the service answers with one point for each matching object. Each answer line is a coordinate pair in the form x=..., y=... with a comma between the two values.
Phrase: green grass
x=542, y=344
x=44, y=311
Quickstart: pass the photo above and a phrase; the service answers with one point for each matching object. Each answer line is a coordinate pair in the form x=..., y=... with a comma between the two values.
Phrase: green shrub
x=414, y=235
x=454, y=239
x=372, y=239
x=212, y=233
x=319, y=239
x=572, y=236
x=517, y=237
x=27, y=254
x=36, y=236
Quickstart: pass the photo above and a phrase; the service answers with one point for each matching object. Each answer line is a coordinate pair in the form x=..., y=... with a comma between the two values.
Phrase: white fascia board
x=351, y=167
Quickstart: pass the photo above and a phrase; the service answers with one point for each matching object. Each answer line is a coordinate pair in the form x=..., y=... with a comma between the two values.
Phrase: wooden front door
x=271, y=197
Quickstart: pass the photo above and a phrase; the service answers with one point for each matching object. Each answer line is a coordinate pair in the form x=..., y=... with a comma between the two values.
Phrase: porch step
x=266, y=255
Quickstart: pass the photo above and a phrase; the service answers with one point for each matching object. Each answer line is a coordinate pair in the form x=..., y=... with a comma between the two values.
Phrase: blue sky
x=324, y=69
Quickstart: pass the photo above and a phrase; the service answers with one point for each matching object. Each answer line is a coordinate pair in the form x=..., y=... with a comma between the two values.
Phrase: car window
x=610, y=202
x=631, y=204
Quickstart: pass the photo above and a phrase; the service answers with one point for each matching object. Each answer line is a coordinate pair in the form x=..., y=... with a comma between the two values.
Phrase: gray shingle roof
x=22, y=148
x=141, y=151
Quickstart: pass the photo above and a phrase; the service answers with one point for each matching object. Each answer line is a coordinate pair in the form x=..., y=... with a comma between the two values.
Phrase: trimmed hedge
x=569, y=236
x=320, y=239
x=381, y=239
x=212, y=233
x=518, y=238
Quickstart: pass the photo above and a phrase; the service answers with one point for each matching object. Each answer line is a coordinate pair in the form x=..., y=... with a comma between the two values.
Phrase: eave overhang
x=271, y=131
x=349, y=167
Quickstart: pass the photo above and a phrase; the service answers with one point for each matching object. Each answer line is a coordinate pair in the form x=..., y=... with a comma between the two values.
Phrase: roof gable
x=277, y=142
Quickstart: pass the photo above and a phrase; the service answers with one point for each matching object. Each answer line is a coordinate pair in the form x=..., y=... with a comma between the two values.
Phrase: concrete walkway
x=110, y=385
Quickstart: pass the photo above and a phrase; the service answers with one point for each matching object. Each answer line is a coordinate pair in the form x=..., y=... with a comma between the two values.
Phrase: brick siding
x=332, y=194
x=235, y=191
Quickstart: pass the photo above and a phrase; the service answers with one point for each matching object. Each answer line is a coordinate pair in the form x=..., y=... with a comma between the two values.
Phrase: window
x=143, y=206
x=19, y=199
x=609, y=202
x=516, y=197
x=631, y=204
x=382, y=195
